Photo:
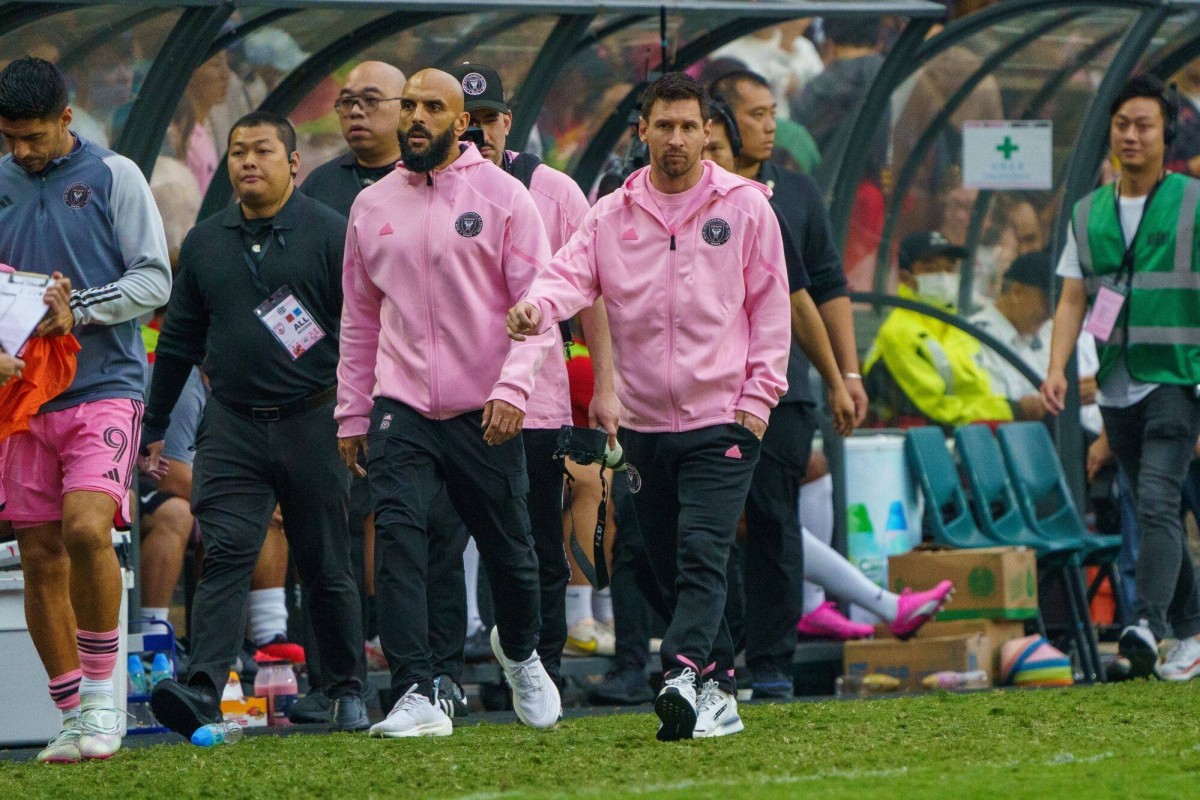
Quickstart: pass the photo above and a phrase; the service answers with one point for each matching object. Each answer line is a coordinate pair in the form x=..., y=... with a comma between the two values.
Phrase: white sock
x=88, y=686
x=602, y=606
x=160, y=614
x=816, y=514
x=824, y=565
x=471, y=568
x=579, y=604
x=69, y=714
x=268, y=614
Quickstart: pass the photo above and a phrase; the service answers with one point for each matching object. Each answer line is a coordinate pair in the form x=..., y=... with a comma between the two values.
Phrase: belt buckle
x=265, y=414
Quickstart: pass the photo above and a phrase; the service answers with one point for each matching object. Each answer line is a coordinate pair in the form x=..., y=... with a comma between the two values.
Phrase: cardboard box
x=989, y=583
x=996, y=633
x=910, y=662
x=249, y=712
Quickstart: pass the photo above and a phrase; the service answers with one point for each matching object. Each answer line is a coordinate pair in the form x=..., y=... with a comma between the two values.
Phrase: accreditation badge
x=289, y=322
x=1106, y=308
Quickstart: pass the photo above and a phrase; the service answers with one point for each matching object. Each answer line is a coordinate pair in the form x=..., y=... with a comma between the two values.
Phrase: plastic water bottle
x=865, y=685
x=137, y=676
x=217, y=733
x=974, y=679
x=864, y=550
x=895, y=533
x=276, y=681
x=160, y=669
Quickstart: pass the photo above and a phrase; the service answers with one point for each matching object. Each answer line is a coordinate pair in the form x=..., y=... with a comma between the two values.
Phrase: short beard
x=672, y=171
x=439, y=150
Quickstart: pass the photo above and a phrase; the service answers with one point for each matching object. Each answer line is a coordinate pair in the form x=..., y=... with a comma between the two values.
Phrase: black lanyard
x=1127, y=265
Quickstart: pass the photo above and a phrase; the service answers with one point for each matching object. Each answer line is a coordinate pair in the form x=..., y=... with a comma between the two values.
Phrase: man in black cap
x=921, y=370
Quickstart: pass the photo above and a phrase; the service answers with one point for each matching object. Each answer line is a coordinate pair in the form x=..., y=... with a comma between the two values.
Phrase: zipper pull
x=672, y=241
x=429, y=179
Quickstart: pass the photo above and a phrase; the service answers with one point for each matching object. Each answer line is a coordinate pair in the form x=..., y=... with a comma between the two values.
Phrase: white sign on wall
x=1007, y=155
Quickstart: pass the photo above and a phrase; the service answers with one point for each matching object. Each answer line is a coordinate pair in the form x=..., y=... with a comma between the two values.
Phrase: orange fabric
x=49, y=370
x=1104, y=605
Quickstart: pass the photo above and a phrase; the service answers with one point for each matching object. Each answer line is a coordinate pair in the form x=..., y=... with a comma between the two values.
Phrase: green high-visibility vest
x=1158, y=331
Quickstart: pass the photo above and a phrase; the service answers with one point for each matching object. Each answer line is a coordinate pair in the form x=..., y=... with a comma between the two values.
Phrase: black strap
x=522, y=166
x=1127, y=264
x=596, y=568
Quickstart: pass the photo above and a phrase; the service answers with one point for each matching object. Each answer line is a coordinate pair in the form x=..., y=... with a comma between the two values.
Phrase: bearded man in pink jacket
x=690, y=262
x=431, y=388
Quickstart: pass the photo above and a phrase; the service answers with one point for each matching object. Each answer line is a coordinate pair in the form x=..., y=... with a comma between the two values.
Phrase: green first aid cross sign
x=1007, y=155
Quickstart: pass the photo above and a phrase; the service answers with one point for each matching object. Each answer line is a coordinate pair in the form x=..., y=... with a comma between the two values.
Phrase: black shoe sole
x=613, y=700
x=1143, y=659
x=677, y=715
x=176, y=713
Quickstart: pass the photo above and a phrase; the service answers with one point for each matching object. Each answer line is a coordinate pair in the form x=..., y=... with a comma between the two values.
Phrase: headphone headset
x=719, y=108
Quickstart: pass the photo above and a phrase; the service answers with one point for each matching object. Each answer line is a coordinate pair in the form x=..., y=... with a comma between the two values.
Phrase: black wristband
x=154, y=429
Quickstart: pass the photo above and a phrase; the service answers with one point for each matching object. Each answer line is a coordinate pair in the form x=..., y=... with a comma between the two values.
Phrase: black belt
x=274, y=413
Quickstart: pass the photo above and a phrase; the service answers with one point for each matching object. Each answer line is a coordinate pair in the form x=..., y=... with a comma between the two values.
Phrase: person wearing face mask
x=921, y=370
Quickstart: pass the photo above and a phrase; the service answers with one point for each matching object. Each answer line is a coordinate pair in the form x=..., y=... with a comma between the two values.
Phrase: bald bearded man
x=433, y=393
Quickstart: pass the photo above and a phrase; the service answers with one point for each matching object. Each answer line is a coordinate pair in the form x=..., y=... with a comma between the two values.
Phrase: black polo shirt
x=211, y=321
x=338, y=181
x=808, y=236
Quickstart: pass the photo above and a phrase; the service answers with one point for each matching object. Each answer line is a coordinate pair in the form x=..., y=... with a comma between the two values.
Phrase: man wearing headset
x=773, y=547
x=1131, y=277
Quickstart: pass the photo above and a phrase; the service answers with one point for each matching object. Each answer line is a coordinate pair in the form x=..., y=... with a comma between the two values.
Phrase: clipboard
x=21, y=307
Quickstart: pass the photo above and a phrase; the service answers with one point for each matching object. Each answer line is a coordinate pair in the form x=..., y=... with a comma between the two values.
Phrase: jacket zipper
x=434, y=400
x=671, y=336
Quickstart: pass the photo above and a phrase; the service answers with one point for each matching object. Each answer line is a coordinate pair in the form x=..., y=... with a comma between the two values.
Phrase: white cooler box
x=27, y=714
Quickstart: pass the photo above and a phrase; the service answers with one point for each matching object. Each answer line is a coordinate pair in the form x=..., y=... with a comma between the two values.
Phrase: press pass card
x=289, y=322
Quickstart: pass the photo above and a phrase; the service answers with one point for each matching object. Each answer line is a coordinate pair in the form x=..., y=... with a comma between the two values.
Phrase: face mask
x=939, y=288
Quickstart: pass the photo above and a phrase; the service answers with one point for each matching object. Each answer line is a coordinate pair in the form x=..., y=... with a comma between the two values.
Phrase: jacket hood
x=468, y=158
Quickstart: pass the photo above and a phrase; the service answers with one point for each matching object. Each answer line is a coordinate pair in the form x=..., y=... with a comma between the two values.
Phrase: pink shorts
x=90, y=447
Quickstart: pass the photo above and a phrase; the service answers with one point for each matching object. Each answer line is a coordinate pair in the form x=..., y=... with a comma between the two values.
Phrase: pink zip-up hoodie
x=700, y=315
x=433, y=263
x=562, y=205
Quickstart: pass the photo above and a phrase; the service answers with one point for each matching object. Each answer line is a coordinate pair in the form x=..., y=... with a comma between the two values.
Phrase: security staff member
x=773, y=560
x=692, y=267
x=1132, y=258
x=256, y=304
x=434, y=254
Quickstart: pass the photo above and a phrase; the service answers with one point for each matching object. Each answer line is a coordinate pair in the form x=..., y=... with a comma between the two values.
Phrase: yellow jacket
x=920, y=366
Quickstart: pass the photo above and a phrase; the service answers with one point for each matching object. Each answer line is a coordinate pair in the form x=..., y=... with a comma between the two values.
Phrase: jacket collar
x=720, y=184
x=285, y=218
x=468, y=157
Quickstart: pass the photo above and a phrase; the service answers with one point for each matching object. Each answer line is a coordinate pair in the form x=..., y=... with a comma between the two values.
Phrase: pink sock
x=98, y=653
x=64, y=690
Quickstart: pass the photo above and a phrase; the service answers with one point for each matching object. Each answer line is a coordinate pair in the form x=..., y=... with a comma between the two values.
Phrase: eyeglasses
x=345, y=105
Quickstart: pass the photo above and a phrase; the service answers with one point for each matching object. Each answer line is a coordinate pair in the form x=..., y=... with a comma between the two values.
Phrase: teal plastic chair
x=999, y=515
x=947, y=512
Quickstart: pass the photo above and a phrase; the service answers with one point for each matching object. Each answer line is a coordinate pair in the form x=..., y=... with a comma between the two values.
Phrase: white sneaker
x=676, y=707
x=535, y=697
x=64, y=748
x=581, y=639
x=413, y=715
x=100, y=726
x=1137, y=643
x=1183, y=661
x=717, y=714
x=606, y=639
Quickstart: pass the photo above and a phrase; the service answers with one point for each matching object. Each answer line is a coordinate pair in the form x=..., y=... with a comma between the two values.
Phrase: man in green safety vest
x=1131, y=265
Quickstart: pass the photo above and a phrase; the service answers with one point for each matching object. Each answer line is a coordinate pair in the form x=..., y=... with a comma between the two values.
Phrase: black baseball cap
x=481, y=87
x=1031, y=269
x=926, y=244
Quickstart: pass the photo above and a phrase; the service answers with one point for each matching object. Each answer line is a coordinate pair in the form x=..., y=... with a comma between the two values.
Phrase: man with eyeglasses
x=368, y=108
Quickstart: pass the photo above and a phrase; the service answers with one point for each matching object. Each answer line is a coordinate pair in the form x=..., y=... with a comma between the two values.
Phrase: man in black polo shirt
x=257, y=303
x=774, y=561
x=368, y=108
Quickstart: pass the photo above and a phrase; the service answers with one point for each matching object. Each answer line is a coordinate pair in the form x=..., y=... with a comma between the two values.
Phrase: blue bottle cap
x=896, y=520
x=203, y=737
x=160, y=663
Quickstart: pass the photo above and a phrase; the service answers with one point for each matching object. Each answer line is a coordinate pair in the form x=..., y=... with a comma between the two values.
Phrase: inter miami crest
x=468, y=224
x=474, y=84
x=715, y=231
x=77, y=195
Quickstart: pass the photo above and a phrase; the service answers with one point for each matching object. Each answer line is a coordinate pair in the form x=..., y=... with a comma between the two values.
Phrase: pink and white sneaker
x=917, y=608
x=826, y=622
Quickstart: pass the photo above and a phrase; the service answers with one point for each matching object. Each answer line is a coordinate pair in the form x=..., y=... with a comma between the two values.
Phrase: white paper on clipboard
x=21, y=307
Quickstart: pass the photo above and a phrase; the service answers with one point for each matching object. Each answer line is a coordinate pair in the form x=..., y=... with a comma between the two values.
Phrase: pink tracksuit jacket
x=433, y=263
x=562, y=206
x=700, y=315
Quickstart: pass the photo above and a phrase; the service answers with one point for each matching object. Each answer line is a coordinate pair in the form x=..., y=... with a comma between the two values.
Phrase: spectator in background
x=785, y=58
x=191, y=134
x=921, y=370
x=1184, y=155
x=1027, y=228
x=826, y=108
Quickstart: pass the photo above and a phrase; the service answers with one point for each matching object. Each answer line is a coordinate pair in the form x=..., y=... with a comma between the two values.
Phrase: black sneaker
x=1137, y=643
x=623, y=686
x=772, y=686
x=348, y=714
x=478, y=647
x=184, y=708
x=450, y=697
x=312, y=709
